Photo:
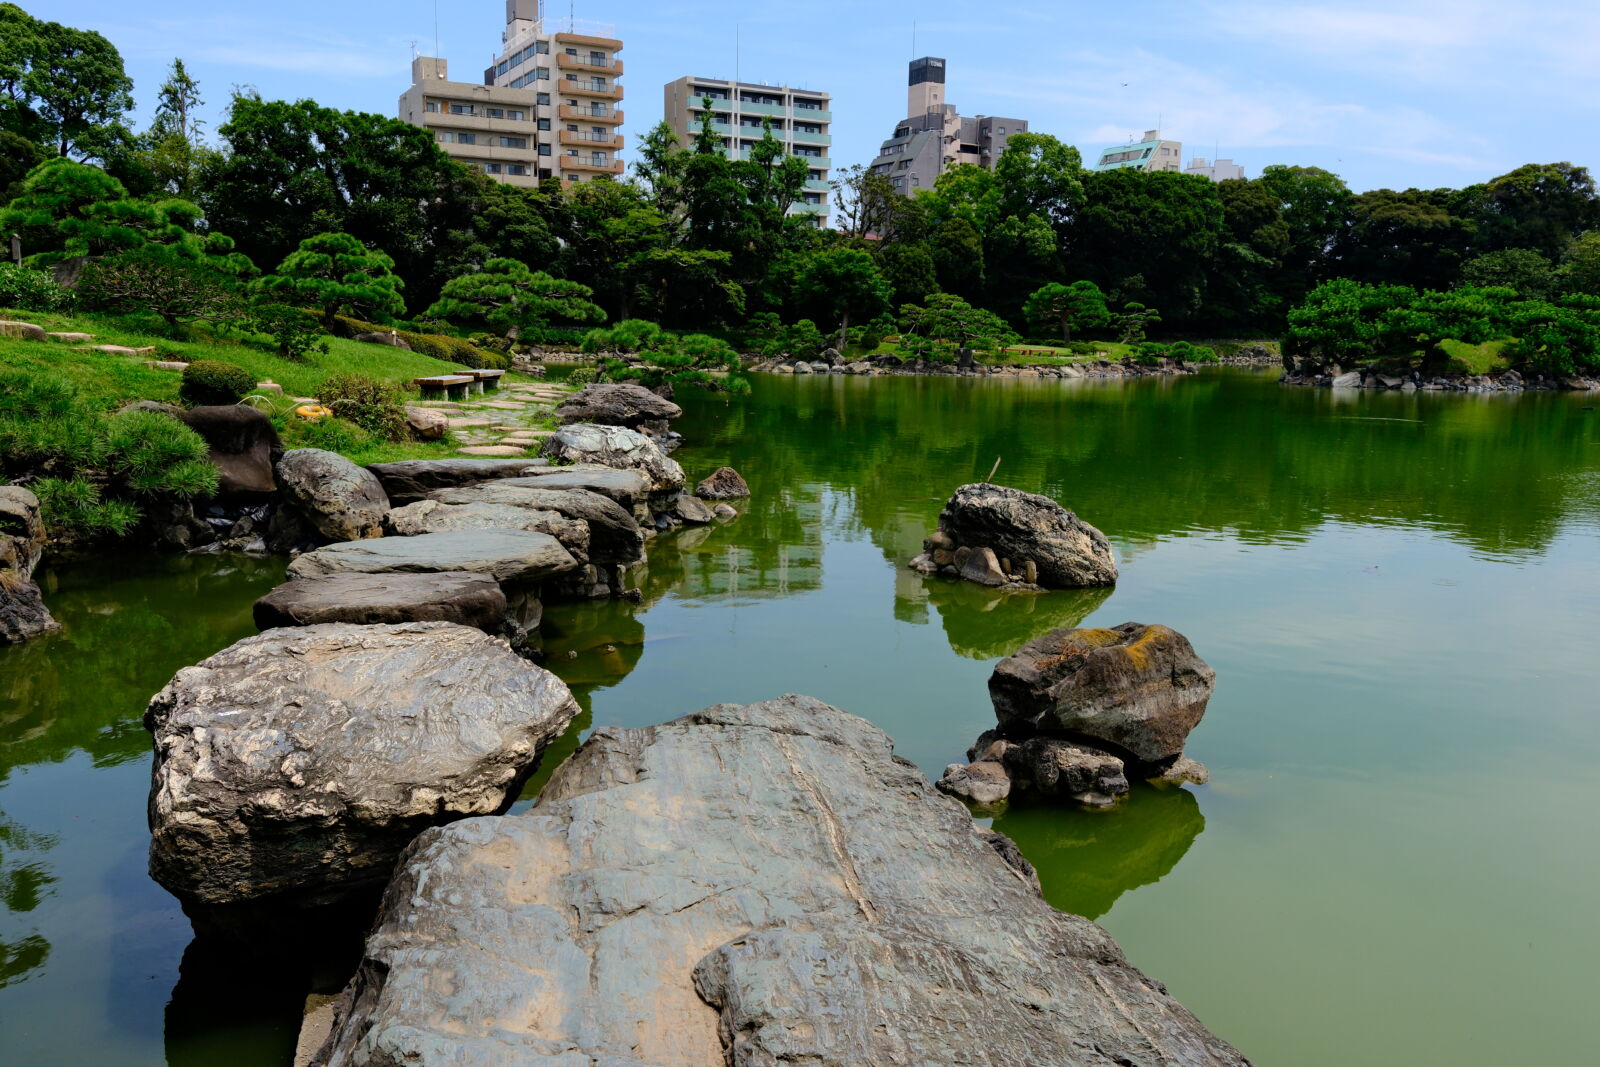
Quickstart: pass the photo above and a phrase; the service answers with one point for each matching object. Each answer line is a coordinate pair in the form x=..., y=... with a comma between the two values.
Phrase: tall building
x=1149, y=154
x=1218, y=170
x=800, y=118
x=546, y=108
x=933, y=136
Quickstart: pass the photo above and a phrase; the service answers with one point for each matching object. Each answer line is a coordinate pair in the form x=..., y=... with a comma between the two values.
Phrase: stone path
x=508, y=422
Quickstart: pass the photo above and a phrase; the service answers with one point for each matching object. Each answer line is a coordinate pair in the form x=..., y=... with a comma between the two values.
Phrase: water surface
x=1395, y=859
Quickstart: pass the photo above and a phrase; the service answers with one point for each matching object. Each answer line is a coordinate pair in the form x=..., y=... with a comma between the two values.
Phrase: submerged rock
x=302, y=761
x=22, y=611
x=724, y=483
x=474, y=600
x=342, y=501
x=747, y=885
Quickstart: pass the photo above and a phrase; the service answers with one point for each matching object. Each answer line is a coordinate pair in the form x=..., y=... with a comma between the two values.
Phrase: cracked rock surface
x=304, y=760
x=743, y=886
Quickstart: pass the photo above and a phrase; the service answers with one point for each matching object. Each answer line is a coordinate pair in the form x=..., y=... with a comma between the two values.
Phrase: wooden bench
x=453, y=386
x=487, y=379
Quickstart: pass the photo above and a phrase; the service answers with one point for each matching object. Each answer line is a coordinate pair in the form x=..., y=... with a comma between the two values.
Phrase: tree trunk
x=1066, y=329
x=844, y=332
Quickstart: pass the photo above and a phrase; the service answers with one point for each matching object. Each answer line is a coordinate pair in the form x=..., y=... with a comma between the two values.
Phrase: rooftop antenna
x=913, y=38
x=435, y=27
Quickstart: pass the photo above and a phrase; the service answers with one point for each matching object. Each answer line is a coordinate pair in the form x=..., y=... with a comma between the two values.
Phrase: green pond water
x=1396, y=860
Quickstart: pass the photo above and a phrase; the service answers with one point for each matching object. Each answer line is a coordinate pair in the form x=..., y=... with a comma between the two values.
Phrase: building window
x=544, y=124
x=807, y=127
x=573, y=152
x=494, y=113
x=431, y=105
x=491, y=168
x=572, y=51
x=816, y=175
x=501, y=67
x=466, y=138
x=462, y=109
x=513, y=142
x=517, y=169
x=1002, y=131
x=809, y=153
x=543, y=98
x=542, y=47
x=516, y=116
x=544, y=150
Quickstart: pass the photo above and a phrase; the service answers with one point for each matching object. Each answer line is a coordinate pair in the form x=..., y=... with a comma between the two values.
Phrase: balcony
x=610, y=44
x=800, y=207
x=817, y=185
x=590, y=166
x=582, y=88
x=775, y=110
x=606, y=116
x=610, y=66
x=800, y=137
x=590, y=139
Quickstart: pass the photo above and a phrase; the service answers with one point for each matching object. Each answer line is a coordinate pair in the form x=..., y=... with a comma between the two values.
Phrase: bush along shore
x=1026, y=363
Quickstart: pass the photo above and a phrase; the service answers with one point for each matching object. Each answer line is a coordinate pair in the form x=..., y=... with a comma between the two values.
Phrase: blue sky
x=1397, y=93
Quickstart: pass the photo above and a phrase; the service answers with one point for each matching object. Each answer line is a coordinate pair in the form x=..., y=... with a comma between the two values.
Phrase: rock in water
x=430, y=516
x=302, y=761
x=22, y=611
x=342, y=501
x=1140, y=688
x=617, y=447
x=474, y=600
x=724, y=483
x=1068, y=552
x=748, y=886
x=614, y=534
x=628, y=405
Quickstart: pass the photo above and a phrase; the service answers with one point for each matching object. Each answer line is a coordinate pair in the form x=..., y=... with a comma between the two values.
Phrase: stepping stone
x=371, y=599
x=22, y=331
x=123, y=350
x=464, y=424
x=71, y=338
x=493, y=450
x=165, y=364
x=503, y=405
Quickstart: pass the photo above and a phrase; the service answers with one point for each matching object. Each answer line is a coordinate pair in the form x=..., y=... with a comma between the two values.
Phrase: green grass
x=1476, y=359
x=113, y=379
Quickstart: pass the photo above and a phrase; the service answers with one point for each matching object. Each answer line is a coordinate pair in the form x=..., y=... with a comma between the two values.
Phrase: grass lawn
x=1476, y=359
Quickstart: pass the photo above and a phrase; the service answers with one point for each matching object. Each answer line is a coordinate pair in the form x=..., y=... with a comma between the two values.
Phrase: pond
x=1394, y=861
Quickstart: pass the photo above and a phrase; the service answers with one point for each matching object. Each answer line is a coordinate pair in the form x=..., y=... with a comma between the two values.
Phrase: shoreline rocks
x=341, y=501
x=1002, y=537
x=299, y=763
x=621, y=449
x=1509, y=381
x=724, y=483
x=621, y=404
x=467, y=599
x=745, y=885
x=1080, y=711
x=23, y=614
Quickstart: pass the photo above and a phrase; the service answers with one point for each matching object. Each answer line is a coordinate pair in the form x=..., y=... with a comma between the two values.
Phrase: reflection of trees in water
x=1156, y=457
x=128, y=624
x=1086, y=860
x=984, y=623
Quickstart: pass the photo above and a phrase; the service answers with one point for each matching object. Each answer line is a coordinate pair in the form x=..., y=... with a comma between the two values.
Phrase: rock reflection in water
x=1086, y=860
x=984, y=623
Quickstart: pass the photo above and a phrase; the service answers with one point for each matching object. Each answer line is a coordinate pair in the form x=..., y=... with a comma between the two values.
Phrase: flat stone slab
x=71, y=338
x=510, y=556
x=466, y=599
x=493, y=450
x=746, y=886
x=502, y=405
x=302, y=761
x=430, y=516
x=469, y=423
x=615, y=536
x=408, y=481
x=628, y=488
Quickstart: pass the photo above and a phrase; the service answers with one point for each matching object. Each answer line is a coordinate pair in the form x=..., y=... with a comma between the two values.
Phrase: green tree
x=910, y=272
x=948, y=323
x=1081, y=305
x=1314, y=204
x=509, y=297
x=681, y=286
x=1246, y=289
x=1581, y=268
x=60, y=86
x=665, y=358
x=1413, y=237
x=18, y=156
x=181, y=289
x=1344, y=320
x=1539, y=206
x=844, y=283
x=1134, y=321
x=333, y=272
x=174, y=146
x=1521, y=269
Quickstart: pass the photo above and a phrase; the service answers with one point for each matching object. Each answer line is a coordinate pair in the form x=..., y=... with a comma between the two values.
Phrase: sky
x=1386, y=93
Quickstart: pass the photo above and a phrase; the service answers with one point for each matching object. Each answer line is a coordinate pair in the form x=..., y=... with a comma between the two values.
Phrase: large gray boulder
x=619, y=404
x=747, y=886
x=1139, y=688
x=432, y=516
x=410, y=480
x=342, y=501
x=617, y=447
x=1021, y=529
x=474, y=600
x=22, y=536
x=614, y=533
x=300, y=762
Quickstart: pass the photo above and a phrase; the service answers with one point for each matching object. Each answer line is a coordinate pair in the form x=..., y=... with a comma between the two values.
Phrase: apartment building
x=1149, y=154
x=1218, y=170
x=801, y=118
x=934, y=136
x=547, y=107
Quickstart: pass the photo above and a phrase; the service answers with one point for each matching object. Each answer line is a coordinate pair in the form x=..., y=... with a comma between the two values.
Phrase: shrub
x=179, y=289
x=294, y=333
x=374, y=406
x=152, y=453
x=212, y=381
x=27, y=289
x=73, y=506
x=582, y=376
x=433, y=345
x=1187, y=352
